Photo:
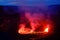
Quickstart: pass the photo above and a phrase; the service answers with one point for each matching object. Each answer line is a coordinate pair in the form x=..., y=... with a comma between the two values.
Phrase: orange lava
x=35, y=20
x=46, y=30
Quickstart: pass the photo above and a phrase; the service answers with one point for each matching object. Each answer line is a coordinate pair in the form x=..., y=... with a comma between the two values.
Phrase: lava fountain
x=35, y=23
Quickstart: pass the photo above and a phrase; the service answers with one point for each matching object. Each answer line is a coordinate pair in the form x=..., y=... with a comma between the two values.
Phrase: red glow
x=47, y=29
x=36, y=21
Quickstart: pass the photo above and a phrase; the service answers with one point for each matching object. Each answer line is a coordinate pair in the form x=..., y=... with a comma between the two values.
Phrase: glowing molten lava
x=46, y=30
x=24, y=30
x=35, y=23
